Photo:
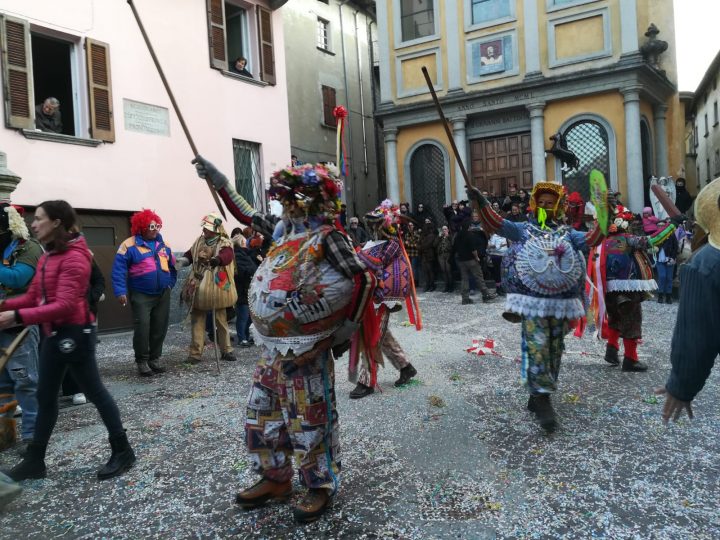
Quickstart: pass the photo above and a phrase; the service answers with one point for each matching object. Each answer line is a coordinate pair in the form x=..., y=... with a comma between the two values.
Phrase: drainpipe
x=347, y=105
x=362, y=94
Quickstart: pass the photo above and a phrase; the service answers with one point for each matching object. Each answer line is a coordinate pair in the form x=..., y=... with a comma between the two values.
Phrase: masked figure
x=306, y=299
x=544, y=276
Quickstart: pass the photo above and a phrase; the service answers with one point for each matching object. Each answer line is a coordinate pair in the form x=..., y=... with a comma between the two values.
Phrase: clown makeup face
x=152, y=231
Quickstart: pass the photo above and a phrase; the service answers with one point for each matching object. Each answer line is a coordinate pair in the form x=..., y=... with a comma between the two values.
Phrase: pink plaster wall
x=141, y=170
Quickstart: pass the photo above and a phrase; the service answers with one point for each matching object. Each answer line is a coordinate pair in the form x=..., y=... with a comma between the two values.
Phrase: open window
x=41, y=69
x=237, y=30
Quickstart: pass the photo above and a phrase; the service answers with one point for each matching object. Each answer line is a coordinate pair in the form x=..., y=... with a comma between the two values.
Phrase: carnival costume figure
x=306, y=300
x=210, y=287
x=385, y=255
x=544, y=276
x=621, y=275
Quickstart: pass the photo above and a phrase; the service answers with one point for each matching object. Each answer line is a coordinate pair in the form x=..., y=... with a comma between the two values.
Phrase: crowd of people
x=313, y=290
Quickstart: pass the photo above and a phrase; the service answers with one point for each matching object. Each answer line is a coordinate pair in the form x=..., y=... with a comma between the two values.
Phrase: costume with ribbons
x=543, y=274
x=386, y=257
x=620, y=279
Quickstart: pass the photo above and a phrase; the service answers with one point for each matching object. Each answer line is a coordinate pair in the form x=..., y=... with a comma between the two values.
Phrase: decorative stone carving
x=8, y=179
x=653, y=47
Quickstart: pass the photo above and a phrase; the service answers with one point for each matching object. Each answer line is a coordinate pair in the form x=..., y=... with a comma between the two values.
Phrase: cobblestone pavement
x=453, y=455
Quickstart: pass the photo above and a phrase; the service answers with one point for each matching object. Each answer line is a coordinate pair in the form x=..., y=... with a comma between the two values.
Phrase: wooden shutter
x=17, y=73
x=102, y=125
x=328, y=97
x=216, y=34
x=267, y=54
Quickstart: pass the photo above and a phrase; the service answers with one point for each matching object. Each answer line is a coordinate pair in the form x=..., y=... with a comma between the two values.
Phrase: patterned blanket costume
x=310, y=288
x=544, y=275
x=386, y=257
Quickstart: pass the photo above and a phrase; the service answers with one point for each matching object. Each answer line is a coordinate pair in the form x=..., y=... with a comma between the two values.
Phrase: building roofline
x=709, y=75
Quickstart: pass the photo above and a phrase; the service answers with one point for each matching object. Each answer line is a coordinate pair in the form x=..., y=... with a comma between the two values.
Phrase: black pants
x=85, y=372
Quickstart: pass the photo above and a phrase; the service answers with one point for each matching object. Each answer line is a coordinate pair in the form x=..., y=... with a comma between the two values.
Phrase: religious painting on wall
x=491, y=56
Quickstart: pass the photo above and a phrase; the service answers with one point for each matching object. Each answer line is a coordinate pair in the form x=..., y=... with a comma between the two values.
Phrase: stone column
x=633, y=149
x=532, y=39
x=8, y=179
x=458, y=128
x=391, y=165
x=661, y=151
x=384, y=52
x=537, y=141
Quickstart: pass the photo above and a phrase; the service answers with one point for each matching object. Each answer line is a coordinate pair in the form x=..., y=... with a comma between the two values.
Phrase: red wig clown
x=140, y=221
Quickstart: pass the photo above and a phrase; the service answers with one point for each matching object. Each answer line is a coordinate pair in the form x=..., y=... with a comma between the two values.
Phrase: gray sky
x=698, y=39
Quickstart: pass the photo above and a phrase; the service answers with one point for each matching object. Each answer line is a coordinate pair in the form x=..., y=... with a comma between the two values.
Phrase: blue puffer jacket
x=142, y=267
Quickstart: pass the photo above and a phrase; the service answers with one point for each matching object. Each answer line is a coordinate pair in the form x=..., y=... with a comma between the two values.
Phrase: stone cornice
x=652, y=85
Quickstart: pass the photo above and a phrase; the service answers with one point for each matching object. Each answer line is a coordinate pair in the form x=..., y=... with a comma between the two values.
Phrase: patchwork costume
x=544, y=276
x=386, y=257
x=307, y=296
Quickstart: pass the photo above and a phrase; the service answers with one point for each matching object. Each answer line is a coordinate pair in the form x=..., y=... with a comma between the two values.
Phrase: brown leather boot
x=312, y=506
x=263, y=491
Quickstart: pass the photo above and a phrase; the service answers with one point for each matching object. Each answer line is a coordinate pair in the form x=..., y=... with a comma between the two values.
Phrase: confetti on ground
x=477, y=468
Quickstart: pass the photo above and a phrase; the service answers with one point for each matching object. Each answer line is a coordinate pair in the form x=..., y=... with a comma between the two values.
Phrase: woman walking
x=57, y=300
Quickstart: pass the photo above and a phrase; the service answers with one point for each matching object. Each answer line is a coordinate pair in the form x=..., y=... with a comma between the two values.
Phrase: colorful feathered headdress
x=387, y=217
x=315, y=188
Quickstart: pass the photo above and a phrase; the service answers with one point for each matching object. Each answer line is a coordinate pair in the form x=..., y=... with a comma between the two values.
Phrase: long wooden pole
x=447, y=128
x=174, y=103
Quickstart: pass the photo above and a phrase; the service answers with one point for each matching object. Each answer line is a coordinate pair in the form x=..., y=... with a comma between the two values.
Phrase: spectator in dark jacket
x=516, y=215
x=357, y=234
x=696, y=340
x=422, y=213
x=245, y=267
x=467, y=247
x=48, y=117
x=428, y=250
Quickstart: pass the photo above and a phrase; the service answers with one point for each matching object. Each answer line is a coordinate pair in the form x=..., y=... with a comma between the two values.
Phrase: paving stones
x=477, y=467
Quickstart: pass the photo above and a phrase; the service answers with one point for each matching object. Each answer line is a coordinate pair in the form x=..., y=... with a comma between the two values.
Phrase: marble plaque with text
x=146, y=118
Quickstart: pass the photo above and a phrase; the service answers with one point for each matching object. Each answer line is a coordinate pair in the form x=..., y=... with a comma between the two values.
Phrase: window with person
x=241, y=39
x=41, y=74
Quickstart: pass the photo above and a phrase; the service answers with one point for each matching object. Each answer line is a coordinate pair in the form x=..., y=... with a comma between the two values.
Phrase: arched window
x=427, y=179
x=589, y=140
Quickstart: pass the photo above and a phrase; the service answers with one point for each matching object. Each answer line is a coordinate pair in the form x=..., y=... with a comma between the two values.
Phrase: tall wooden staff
x=174, y=103
x=448, y=132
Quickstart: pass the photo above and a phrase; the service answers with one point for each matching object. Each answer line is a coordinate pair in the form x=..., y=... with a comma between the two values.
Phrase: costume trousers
x=471, y=268
x=543, y=342
x=20, y=377
x=392, y=350
x=85, y=372
x=151, y=316
x=197, y=321
x=294, y=413
x=624, y=312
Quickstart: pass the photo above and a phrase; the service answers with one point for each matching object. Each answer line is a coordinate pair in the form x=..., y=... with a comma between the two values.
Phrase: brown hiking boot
x=263, y=491
x=312, y=506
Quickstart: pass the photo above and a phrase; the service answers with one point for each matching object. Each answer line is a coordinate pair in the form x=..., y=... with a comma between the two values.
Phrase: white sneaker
x=79, y=399
x=18, y=411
